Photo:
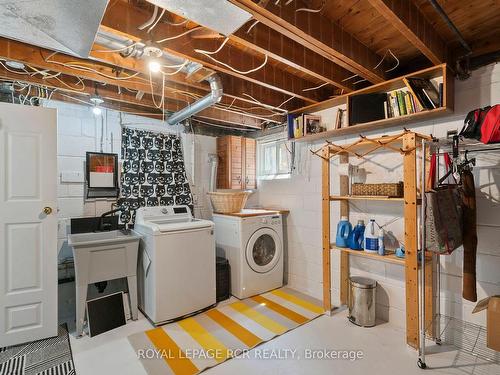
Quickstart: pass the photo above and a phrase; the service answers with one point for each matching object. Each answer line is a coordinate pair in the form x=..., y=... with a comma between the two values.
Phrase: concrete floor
x=383, y=346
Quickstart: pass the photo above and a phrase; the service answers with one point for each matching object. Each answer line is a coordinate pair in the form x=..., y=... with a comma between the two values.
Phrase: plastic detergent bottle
x=371, y=238
x=381, y=247
x=344, y=229
x=355, y=239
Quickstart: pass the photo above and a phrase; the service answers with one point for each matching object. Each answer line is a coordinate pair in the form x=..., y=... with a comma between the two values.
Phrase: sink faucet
x=101, y=226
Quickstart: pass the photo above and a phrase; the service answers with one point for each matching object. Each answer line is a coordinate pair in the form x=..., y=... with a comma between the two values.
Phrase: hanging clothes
x=469, y=236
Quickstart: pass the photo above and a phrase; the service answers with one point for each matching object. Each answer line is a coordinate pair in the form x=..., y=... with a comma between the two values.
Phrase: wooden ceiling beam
x=38, y=58
x=405, y=16
x=265, y=40
x=123, y=18
x=319, y=34
x=111, y=94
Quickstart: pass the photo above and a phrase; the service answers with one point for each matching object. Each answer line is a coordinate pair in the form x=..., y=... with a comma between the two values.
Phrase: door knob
x=47, y=210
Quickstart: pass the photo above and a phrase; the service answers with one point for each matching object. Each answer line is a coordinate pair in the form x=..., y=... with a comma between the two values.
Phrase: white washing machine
x=253, y=246
x=176, y=268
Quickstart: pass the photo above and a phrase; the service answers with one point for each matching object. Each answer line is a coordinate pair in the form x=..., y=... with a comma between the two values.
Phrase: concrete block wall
x=301, y=194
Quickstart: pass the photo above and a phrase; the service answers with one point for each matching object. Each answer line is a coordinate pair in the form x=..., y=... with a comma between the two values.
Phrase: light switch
x=70, y=176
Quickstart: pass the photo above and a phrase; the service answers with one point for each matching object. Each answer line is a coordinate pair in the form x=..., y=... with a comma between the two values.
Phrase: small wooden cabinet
x=237, y=167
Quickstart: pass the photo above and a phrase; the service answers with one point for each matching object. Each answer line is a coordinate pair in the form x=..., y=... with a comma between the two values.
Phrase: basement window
x=273, y=159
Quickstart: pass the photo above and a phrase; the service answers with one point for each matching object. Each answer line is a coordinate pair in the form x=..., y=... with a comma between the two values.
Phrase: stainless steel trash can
x=362, y=293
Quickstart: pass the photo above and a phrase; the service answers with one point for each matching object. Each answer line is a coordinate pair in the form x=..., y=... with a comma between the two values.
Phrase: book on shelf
x=394, y=105
x=339, y=118
x=290, y=125
x=424, y=91
x=401, y=103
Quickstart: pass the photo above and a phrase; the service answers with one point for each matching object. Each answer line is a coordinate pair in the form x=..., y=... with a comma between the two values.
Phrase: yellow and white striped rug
x=194, y=344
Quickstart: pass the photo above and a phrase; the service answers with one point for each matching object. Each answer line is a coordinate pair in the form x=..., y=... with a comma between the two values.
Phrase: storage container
x=395, y=190
x=228, y=201
x=344, y=229
x=371, y=238
x=222, y=279
x=362, y=301
x=355, y=240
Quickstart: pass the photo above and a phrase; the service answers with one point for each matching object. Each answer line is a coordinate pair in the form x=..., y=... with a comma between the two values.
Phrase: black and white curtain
x=153, y=172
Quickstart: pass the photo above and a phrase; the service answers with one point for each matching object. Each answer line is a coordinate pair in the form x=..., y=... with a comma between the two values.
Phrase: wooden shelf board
x=365, y=197
x=374, y=125
x=369, y=198
x=390, y=257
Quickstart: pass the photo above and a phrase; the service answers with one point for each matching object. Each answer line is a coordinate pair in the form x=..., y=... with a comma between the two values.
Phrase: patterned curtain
x=153, y=172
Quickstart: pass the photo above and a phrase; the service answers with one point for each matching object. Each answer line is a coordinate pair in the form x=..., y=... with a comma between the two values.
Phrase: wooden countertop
x=250, y=212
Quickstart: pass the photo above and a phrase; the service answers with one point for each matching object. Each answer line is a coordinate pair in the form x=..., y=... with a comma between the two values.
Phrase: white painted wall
x=301, y=194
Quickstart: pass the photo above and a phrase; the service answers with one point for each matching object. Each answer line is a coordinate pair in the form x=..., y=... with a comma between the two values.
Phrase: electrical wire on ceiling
x=179, y=35
x=286, y=101
x=252, y=26
x=316, y=87
x=150, y=21
x=311, y=10
x=13, y=71
x=85, y=68
x=176, y=23
x=209, y=53
x=213, y=52
x=156, y=22
x=179, y=68
x=116, y=50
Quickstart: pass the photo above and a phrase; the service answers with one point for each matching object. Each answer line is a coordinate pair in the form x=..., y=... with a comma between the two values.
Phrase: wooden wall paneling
x=410, y=239
x=223, y=168
x=344, y=256
x=250, y=163
x=236, y=162
x=325, y=212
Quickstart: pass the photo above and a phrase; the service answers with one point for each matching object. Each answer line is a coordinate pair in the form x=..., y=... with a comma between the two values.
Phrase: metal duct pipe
x=115, y=42
x=451, y=25
x=213, y=98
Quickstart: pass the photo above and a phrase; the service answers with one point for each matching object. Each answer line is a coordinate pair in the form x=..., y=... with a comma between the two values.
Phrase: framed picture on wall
x=312, y=124
x=101, y=175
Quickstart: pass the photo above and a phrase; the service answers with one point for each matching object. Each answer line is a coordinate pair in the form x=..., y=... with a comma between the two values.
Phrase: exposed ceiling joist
x=39, y=59
x=319, y=34
x=411, y=23
x=123, y=18
x=113, y=99
x=287, y=51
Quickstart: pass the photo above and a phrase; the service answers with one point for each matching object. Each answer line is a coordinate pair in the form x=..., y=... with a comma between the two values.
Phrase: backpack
x=483, y=124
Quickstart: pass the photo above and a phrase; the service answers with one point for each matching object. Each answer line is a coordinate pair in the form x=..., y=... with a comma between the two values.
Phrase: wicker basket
x=229, y=201
x=385, y=190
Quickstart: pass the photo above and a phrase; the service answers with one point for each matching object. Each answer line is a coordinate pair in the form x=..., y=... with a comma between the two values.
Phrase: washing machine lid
x=165, y=219
x=264, y=250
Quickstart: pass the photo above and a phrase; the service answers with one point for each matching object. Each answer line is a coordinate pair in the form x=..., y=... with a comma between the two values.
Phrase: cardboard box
x=492, y=307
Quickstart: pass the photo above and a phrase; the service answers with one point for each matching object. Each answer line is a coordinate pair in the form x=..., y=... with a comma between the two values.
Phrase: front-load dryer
x=252, y=241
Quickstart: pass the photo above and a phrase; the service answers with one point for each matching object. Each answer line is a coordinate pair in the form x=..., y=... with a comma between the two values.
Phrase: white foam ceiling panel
x=68, y=26
x=218, y=15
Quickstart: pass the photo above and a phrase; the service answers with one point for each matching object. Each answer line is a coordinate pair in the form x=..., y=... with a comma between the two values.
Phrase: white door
x=28, y=223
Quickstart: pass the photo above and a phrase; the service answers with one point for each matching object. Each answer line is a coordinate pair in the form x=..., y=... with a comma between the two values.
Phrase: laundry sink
x=102, y=256
x=101, y=238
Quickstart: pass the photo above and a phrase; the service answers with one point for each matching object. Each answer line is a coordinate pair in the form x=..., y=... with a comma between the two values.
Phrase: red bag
x=483, y=124
x=490, y=129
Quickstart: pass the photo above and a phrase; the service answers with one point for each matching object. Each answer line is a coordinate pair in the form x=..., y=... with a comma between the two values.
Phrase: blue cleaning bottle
x=344, y=229
x=355, y=240
x=371, y=238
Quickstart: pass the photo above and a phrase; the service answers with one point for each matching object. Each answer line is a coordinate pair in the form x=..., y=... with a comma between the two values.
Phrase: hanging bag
x=443, y=224
x=483, y=124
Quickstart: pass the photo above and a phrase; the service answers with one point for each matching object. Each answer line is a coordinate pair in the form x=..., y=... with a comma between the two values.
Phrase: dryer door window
x=263, y=250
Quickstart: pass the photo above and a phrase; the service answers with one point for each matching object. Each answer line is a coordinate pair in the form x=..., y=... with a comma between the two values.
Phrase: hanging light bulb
x=154, y=66
x=96, y=100
x=96, y=110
